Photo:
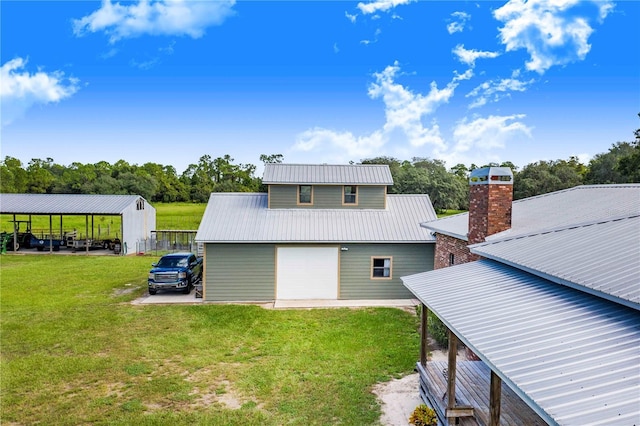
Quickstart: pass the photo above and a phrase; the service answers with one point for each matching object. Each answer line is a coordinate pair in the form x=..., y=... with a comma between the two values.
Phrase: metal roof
x=244, y=217
x=573, y=357
x=327, y=174
x=576, y=205
x=601, y=257
x=65, y=204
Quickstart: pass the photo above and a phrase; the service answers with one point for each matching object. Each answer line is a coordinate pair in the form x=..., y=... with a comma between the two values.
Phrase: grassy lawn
x=74, y=351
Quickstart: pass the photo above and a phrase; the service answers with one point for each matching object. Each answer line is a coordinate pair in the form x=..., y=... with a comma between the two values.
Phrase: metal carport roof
x=65, y=204
x=573, y=357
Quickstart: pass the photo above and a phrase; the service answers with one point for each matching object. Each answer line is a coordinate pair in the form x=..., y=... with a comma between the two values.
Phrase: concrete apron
x=322, y=303
x=163, y=298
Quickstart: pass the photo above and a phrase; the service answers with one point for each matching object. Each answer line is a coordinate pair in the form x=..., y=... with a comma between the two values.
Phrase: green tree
x=13, y=177
x=547, y=176
x=39, y=178
x=273, y=158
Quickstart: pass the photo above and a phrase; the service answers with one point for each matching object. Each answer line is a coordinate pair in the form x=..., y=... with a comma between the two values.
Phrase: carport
x=137, y=216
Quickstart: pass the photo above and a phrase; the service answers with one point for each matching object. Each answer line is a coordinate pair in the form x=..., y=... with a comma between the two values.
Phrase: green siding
x=282, y=196
x=326, y=197
x=371, y=197
x=239, y=272
x=246, y=272
x=355, y=269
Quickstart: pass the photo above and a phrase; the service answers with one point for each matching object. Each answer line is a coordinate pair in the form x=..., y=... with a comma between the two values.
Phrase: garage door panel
x=307, y=273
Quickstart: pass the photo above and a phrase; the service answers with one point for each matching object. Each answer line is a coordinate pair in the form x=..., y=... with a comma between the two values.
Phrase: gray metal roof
x=244, y=217
x=65, y=204
x=576, y=205
x=327, y=174
x=573, y=357
x=599, y=257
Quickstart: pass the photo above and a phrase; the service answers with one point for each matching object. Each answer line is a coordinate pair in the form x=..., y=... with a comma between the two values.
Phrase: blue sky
x=324, y=81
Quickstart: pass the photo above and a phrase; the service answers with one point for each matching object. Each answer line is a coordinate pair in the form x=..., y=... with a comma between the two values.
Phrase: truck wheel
x=152, y=291
x=187, y=289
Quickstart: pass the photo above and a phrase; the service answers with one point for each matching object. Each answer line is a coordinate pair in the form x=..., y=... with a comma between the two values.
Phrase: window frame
x=299, y=192
x=390, y=267
x=354, y=194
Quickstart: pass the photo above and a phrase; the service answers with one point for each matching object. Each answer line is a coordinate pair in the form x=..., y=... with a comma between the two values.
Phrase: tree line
x=447, y=188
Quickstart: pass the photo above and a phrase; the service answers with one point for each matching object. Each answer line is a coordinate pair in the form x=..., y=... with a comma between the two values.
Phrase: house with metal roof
x=546, y=299
x=320, y=232
x=138, y=217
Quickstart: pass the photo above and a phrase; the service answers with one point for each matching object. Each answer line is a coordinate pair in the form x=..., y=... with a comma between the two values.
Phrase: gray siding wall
x=239, y=272
x=326, y=197
x=355, y=269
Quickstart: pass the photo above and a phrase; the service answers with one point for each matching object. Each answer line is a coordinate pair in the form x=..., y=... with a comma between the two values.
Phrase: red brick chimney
x=490, y=198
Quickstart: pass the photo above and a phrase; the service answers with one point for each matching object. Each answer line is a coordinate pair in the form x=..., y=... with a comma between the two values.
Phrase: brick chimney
x=490, y=198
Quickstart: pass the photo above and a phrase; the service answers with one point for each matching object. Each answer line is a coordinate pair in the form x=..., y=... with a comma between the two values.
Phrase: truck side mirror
x=154, y=264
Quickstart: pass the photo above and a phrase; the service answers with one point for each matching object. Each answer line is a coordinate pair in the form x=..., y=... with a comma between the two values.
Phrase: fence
x=169, y=241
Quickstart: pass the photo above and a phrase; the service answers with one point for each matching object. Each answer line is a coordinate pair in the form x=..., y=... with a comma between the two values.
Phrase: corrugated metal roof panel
x=580, y=204
x=242, y=217
x=326, y=174
x=573, y=357
x=603, y=257
x=66, y=204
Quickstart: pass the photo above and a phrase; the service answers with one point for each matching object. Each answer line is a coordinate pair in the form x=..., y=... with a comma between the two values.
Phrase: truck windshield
x=172, y=262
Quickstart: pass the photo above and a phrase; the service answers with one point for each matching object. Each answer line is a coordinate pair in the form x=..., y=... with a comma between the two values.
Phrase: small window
x=451, y=259
x=350, y=194
x=140, y=204
x=381, y=268
x=305, y=194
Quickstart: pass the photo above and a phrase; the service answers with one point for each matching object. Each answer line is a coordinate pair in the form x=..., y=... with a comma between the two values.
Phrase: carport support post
x=15, y=234
x=424, y=344
x=50, y=233
x=86, y=233
x=495, y=397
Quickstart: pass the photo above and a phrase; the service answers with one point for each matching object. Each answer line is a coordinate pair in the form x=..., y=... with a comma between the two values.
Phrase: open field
x=74, y=351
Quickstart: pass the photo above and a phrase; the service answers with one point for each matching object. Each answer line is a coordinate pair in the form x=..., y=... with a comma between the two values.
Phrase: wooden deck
x=472, y=389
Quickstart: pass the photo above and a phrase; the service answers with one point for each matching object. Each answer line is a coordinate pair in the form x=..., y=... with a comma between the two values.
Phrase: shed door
x=307, y=273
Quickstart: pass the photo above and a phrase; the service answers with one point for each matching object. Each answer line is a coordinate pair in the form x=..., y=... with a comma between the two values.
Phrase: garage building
x=321, y=232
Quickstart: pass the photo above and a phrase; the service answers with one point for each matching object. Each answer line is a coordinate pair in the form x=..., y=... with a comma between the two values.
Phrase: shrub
x=437, y=330
x=423, y=416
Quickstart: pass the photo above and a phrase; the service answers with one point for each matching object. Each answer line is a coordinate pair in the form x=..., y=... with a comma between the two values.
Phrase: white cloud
x=494, y=90
x=381, y=5
x=163, y=17
x=350, y=17
x=552, y=31
x=320, y=140
x=404, y=109
x=469, y=56
x=404, y=112
x=20, y=90
x=486, y=134
x=458, y=25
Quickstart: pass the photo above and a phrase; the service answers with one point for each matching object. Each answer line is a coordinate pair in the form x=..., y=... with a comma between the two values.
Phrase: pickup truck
x=175, y=271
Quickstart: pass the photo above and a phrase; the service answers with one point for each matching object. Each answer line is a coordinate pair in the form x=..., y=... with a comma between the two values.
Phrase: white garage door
x=307, y=273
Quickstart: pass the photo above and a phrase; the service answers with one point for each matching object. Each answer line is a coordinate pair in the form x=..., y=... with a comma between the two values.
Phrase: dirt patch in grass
x=128, y=289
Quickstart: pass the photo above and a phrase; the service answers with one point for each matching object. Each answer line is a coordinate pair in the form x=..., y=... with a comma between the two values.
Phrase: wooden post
x=451, y=372
x=495, y=397
x=424, y=335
